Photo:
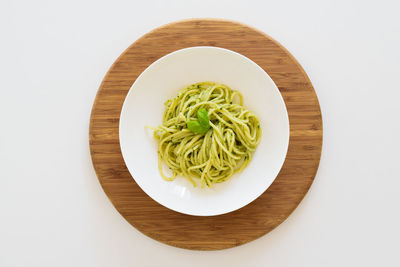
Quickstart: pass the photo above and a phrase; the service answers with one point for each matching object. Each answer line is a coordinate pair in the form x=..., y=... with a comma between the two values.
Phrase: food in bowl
x=207, y=134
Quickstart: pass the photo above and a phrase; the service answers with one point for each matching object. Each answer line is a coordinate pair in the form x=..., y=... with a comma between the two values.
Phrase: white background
x=53, y=56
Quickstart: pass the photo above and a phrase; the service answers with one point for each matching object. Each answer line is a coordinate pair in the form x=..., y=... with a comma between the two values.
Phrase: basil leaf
x=202, y=125
x=204, y=120
x=196, y=127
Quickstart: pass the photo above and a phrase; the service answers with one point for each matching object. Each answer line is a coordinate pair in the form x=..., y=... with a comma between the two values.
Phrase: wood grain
x=249, y=222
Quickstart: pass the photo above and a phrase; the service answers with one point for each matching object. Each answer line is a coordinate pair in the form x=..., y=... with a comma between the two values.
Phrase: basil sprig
x=202, y=125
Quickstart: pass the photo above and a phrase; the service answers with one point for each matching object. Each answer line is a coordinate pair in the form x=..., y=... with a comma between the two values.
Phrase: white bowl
x=144, y=106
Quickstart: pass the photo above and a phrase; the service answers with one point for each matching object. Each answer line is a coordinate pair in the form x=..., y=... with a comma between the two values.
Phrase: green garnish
x=204, y=120
x=195, y=127
x=202, y=125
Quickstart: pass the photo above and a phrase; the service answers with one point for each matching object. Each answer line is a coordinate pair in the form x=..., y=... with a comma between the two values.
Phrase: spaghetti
x=226, y=136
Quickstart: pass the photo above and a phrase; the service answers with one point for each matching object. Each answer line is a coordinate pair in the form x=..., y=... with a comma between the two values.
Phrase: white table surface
x=53, y=58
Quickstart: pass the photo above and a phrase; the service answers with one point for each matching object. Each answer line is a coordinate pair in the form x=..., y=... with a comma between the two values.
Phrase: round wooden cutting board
x=255, y=219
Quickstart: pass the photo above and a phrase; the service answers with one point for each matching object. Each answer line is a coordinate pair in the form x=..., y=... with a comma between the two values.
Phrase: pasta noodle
x=231, y=134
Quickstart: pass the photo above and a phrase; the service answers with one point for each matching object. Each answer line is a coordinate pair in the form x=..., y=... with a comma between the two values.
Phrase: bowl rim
x=164, y=57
